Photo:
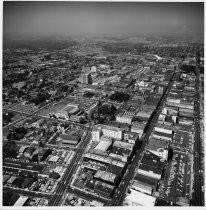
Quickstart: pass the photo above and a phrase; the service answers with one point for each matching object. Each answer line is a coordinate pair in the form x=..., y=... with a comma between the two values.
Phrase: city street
x=70, y=171
x=122, y=189
x=198, y=194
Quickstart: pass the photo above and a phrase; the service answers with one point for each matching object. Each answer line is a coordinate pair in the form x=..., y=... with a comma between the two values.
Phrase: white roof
x=21, y=201
x=103, y=145
x=22, y=149
x=139, y=198
x=54, y=158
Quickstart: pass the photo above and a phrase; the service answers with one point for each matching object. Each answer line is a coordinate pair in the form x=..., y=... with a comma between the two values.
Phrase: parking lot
x=177, y=179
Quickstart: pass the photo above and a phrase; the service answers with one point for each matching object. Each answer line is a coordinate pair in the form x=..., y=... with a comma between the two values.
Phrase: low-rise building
x=144, y=184
x=106, y=176
x=163, y=136
x=122, y=144
x=123, y=118
x=104, y=144
x=108, y=160
x=69, y=139
x=120, y=153
x=158, y=147
x=130, y=137
x=138, y=128
x=103, y=189
x=144, y=115
x=135, y=198
x=163, y=129
x=151, y=166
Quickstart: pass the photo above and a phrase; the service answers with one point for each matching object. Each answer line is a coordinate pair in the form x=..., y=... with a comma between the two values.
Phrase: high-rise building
x=86, y=78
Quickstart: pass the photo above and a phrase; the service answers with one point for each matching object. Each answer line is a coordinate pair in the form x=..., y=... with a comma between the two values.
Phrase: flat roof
x=145, y=179
x=123, y=145
x=163, y=134
x=54, y=158
x=141, y=199
x=107, y=176
x=21, y=201
x=155, y=144
x=101, y=126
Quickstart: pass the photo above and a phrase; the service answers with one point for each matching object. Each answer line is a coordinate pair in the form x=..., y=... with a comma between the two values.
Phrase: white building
x=112, y=132
x=93, y=69
x=122, y=118
x=109, y=131
x=173, y=100
x=96, y=134
x=146, y=171
x=104, y=144
x=163, y=129
x=136, y=198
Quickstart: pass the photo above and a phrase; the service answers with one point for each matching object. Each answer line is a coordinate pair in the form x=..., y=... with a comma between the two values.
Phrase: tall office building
x=86, y=78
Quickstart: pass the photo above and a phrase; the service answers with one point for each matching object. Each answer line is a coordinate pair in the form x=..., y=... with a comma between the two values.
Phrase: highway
x=122, y=189
x=198, y=194
x=62, y=186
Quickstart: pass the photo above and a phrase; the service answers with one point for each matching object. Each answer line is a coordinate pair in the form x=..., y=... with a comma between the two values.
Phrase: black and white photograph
x=102, y=104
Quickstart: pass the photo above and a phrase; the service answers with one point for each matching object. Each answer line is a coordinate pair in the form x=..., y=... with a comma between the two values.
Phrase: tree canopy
x=119, y=96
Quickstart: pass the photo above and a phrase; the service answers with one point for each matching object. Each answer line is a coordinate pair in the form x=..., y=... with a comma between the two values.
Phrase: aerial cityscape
x=103, y=104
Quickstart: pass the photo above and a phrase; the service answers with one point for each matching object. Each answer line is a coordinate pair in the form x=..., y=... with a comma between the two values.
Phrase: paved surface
x=86, y=196
x=198, y=194
x=66, y=179
x=28, y=193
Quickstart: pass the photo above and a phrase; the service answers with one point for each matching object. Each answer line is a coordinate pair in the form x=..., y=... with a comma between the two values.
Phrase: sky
x=96, y=18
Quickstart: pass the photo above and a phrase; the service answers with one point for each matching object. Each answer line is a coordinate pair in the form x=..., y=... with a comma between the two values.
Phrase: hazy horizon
x=32, y=19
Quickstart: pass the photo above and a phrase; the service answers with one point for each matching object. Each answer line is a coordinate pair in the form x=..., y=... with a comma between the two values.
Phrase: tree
x=119, y=96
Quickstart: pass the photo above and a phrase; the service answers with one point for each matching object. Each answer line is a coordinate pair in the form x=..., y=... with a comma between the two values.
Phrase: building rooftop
x=136, y=198
x=122, y=144
x=162, y=134
x=107, y=176
x=146, y=180
x=156, y=144
x=101, y=126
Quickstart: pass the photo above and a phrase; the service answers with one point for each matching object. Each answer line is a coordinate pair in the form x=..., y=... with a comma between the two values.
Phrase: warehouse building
x=144, y=184
x=135, y=198
x=104, y=144
x=107, y=160
x=67, y=139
